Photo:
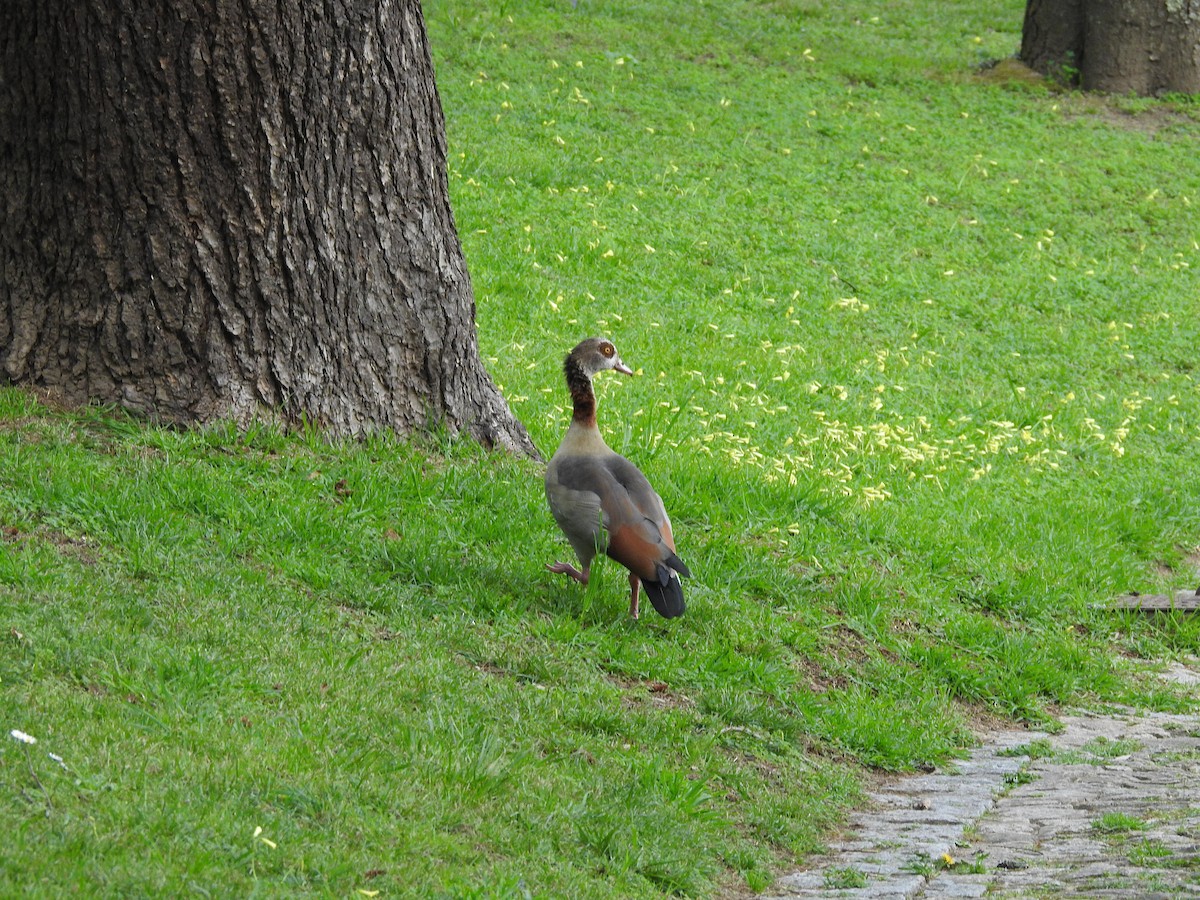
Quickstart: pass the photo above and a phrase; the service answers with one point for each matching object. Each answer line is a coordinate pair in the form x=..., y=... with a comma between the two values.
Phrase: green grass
x=844, y=878
x=918, y=387
x=976, y=865
x=1150, y=852
x=1036, y=749
x=1118, y=823
x=1098, y=751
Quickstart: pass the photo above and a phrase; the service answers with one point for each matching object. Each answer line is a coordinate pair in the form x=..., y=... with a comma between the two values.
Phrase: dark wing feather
x=666, y=598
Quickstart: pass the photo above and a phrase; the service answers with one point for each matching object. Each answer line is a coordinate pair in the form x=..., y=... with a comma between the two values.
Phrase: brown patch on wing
x=667, y=537
x=629, y=546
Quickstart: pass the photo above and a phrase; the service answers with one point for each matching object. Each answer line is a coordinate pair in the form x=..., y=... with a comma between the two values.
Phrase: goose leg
x=635, y=585
x=562, y=568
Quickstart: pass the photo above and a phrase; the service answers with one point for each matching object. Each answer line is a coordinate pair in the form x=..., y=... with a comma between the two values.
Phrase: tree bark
x=1052, y=38
x=1146, y=47
x=236, y=209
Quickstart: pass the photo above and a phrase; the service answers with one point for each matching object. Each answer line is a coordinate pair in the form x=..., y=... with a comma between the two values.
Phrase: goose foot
x=562, y=568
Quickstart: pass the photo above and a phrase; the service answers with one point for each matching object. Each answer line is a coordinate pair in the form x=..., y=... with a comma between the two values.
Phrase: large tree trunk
x=1146, y=47
x=1052, y=38
x=235, y=209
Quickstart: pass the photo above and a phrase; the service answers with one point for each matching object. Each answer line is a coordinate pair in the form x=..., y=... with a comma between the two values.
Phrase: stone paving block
x=802, y=881
x=955, y=886
x=811, y=884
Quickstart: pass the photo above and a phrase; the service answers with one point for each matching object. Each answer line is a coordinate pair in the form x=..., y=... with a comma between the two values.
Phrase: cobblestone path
x=1110, y=807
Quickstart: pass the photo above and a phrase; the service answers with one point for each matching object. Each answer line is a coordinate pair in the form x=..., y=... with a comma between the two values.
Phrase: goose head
x=596, y=355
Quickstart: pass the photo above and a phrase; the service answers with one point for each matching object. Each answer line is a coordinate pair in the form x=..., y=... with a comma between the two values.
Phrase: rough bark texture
x=1146, y=47
x=235, y=208
x=1052, y=37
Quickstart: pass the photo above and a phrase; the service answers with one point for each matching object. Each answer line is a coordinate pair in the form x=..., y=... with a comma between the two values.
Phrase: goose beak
x=622, y=368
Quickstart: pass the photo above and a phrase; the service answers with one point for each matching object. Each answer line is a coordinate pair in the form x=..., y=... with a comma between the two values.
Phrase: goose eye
x=607, y=350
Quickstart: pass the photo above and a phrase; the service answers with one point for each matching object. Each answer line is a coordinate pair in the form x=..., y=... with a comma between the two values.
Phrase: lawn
x=916, y=347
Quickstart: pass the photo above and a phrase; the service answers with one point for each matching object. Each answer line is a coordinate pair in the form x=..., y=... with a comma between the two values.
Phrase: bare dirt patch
x=650, y=693
x=81, y=549
x=1150, y=120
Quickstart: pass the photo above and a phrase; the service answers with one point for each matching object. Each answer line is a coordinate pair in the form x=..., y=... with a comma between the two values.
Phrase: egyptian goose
x=602, y=502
